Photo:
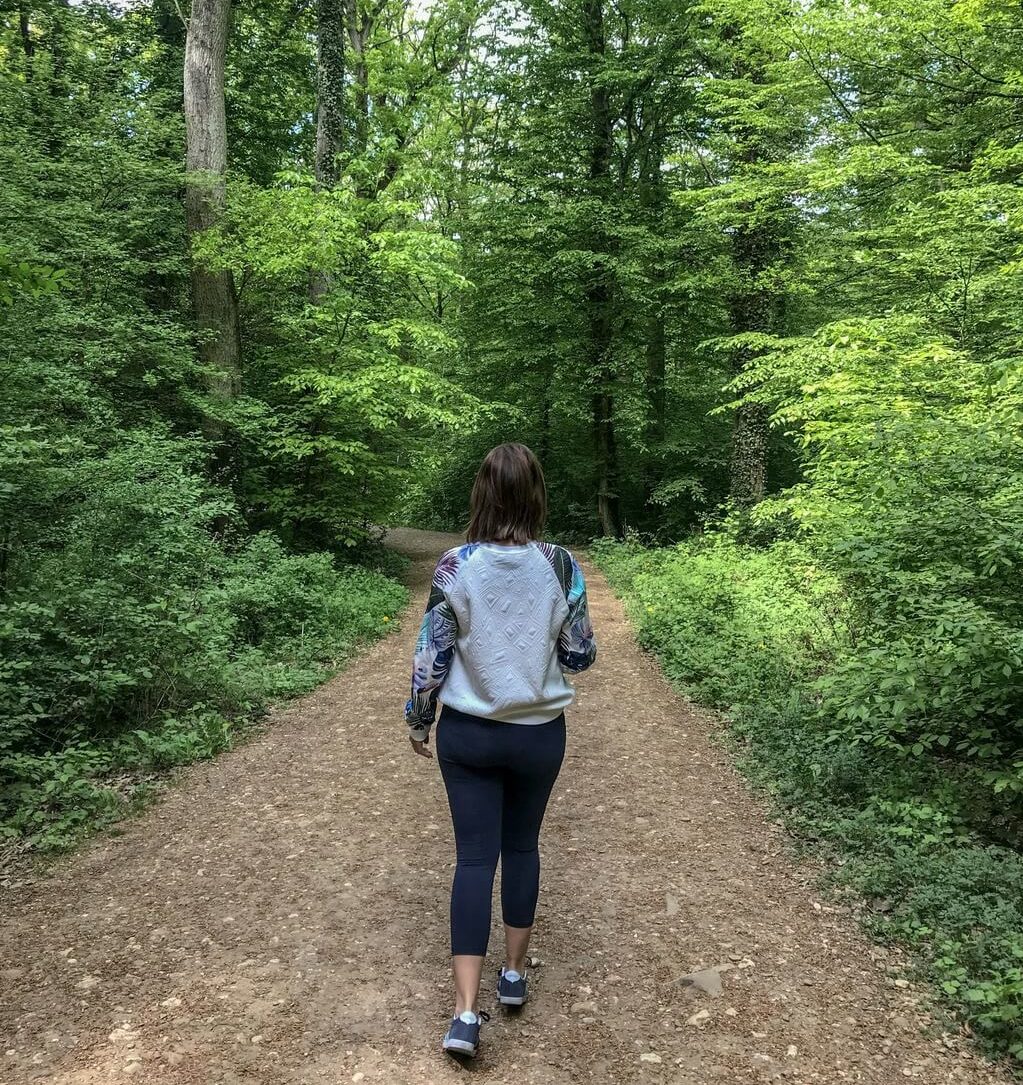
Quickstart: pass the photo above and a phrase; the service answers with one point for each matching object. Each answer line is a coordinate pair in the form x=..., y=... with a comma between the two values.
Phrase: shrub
x=768, y=636
x=134, y=638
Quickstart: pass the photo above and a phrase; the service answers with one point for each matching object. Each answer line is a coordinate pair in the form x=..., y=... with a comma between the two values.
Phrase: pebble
x=649, y=1056
x=584, y=1007
x=699, y=1019
x=708, y=981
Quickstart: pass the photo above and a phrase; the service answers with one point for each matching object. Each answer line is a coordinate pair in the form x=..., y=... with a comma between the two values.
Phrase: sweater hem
x=531, y=716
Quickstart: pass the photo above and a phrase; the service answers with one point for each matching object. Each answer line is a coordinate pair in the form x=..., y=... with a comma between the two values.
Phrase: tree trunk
x=755, y=305
x=166, y=64
x=330, y=90
x=653, y=199
x=543, y=451
x=359, y=25
x=656, y=351
x=213, y=292
x=600, y=291
x=57, y=42
x=27, y=44
x=330, y=111
x=749, y=454
x=752, y=310
x=608, y=511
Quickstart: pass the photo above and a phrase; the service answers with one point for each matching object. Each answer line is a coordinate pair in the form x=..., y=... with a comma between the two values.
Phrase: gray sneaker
x=511, y=988
x=463, y=1036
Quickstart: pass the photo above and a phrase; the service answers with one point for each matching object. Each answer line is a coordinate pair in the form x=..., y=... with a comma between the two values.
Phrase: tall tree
x=360, y=20
x=25, y=30
x=756, y=307
x=330, y=89
x=213, y=290
x=753, y=108
x=600, y=290
x=330, y=108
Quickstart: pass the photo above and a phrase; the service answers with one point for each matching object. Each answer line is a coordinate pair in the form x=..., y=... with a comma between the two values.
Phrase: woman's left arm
x=577, y=646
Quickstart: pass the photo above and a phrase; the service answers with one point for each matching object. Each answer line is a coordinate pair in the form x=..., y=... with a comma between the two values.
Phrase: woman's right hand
x=422, y=748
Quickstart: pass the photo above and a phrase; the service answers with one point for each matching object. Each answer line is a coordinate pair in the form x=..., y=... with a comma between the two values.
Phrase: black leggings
x=498, y=778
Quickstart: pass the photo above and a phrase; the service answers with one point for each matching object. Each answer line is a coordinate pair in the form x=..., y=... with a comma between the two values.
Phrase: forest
x=747, y=276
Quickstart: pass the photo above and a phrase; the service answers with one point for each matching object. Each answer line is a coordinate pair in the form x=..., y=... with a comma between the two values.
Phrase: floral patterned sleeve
x=435, y=647
x=577, y=648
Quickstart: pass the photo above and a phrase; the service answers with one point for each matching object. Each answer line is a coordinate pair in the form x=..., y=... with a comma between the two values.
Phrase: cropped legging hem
x=498, y=778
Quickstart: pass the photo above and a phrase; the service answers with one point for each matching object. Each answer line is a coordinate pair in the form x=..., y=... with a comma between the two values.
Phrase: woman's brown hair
x=509, y=497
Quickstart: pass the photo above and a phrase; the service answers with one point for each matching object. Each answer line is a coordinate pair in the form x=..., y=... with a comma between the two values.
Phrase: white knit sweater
x=502, y=625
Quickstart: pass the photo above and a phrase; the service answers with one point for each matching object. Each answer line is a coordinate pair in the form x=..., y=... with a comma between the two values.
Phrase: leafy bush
x=767, y=635
x=134, y=639
x=914, y=499
x=728, y=622
x=870, y=649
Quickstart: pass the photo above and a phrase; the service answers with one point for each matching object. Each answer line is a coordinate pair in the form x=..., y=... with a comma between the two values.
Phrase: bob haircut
x=509, y=497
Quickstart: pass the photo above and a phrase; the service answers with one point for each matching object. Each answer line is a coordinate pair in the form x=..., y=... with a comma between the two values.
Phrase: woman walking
x=506, y=619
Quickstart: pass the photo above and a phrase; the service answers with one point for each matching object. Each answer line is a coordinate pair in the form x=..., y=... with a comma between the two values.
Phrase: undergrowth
x=761, y=634
x=165, y=658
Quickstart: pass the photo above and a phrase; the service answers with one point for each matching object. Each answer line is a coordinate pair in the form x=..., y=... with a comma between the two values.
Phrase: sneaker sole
x=509, y=1000
x=460, y=1047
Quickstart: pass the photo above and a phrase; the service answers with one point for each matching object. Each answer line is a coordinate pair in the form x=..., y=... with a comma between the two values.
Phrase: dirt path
x=281, y=916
